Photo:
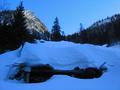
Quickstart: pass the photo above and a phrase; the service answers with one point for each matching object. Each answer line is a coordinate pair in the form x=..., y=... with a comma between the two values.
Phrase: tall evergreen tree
x=56, y=32
x=21, y=33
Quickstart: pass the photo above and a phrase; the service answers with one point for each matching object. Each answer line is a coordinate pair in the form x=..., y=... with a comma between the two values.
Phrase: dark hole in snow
x=42, y=73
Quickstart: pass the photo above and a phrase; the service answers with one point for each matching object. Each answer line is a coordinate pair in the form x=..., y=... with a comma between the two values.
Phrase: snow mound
x=64, y=55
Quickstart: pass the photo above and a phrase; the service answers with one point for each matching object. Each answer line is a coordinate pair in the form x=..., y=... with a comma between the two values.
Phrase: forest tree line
x=14, y=32
x=106, y=31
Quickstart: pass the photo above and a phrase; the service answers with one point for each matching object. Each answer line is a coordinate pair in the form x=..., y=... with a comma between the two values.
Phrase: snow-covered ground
x=64, y=55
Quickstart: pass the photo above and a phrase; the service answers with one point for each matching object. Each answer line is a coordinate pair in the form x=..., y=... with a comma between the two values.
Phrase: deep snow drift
x=64, y=55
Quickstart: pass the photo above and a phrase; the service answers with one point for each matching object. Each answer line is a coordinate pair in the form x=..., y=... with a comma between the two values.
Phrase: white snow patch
x=64, y=55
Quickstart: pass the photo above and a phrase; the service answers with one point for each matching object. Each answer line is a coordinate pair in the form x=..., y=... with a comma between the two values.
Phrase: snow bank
x=64, y=55
x=60, y=55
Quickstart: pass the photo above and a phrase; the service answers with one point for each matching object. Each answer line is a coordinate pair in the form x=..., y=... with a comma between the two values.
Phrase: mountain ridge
x=33, y=23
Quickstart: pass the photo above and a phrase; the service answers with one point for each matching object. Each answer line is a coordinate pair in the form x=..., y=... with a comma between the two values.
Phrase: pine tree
x=56, y=32
x=21, y=33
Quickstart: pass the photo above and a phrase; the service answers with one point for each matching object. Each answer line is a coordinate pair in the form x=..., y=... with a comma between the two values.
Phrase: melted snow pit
x=42, y=73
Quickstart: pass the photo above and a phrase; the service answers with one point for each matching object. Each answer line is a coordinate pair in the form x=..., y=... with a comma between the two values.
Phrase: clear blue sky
x=70, y=12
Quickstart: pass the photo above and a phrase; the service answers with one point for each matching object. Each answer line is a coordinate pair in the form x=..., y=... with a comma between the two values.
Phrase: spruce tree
x=56, y=32
x=21, y=33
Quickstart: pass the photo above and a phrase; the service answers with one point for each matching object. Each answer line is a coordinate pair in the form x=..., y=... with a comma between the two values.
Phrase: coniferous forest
x=105, y=31
x=14, y=32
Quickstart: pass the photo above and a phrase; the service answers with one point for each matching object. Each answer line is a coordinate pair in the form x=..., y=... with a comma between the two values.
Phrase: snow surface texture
x=64, y=55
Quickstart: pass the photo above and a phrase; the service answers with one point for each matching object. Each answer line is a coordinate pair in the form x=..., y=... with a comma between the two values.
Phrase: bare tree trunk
x=20, y=51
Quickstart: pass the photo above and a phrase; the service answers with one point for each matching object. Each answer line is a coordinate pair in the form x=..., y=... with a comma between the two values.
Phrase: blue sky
x=70, y=12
